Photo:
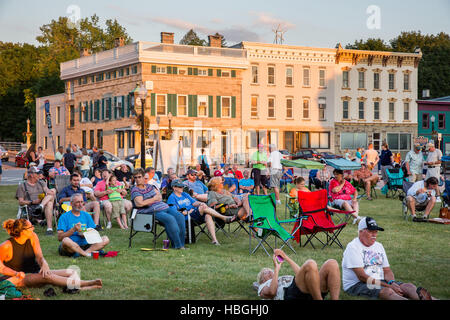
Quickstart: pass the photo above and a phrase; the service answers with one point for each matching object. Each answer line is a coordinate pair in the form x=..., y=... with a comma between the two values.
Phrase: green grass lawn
x=417, y=252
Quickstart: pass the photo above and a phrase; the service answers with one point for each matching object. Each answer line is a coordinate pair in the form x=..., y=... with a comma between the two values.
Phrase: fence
x=12, y=146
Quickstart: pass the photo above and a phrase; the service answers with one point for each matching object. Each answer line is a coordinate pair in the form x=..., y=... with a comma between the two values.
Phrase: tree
x=370, y=44
x=192, y=39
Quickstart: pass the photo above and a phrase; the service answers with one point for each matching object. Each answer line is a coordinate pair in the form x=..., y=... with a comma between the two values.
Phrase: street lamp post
x=170, y=116
x=434, y=133
x=140, y=95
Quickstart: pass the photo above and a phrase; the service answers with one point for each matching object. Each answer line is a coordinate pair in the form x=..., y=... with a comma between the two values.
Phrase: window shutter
x=122, y=110
x=219, y=72
x=102, y=115
x=91, y=106
x=195, y=71
x=153, y=69
x=195, y=106
x=86, y=114
x=91, y=112
x=108, y=108
x=128, y=105
x=189, y=71
x=210, y=72
x=210, y=106
x=233, y=73
x=218, y=106
x=175, y=70
x=169, y=70
x=80, y=107
x=153, y=104
x=233, y=107
x=97, y=107
x=115, y=108
x=174, y=105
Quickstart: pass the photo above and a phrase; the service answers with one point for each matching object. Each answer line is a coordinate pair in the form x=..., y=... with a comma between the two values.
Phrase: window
x=361, y=110
x=134, y=69
x=120, y=139
x=441, y=121
x=376, y=80
x=160, y=104
x=322, y=78
x=203, y=138
x=131, y=139
x=306, y=82
x=84, y=112
x=72, y=116
x=254, y=107
x=305, y=109
x=399, y=141
x=45, y=143
x=113, y=74
x=406, y=81
x=127, y=71
x=187, y=138
x=271, y=108
x=255, y=74
x=100, y=138
x=376, y=110
x=108, y=76
x=202, y=106
x=361, y=80
x=182, y=106
x=58, y=140
x=120, y=73
x=99, y=77
x=289, y=110
x=58, y=115
x=322, y=108
x=391, y=81
x=315, y=140
x=83, y=139
x=271, y=75
x=91, y=139
x=108, y=109
x=225, y=74
x=160, y=69
x=425, y=121
x=391, y=111
x=353, y=140
x=345, y=111
x=226, y=107
x=182, y=71
x=203, y=72
x=406, y=111
x=345, y=79
x=289, y=76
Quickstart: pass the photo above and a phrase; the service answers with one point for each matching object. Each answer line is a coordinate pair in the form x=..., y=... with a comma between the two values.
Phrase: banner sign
x=49, y=122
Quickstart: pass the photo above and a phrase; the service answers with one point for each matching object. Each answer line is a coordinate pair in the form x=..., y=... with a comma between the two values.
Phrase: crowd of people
x=201, y=195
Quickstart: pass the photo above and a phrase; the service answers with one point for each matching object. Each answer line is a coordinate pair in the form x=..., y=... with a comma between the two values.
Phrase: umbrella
x=302, y=164
x=343, y=164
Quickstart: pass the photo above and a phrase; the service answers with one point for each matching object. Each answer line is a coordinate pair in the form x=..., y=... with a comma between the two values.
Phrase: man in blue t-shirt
x=247, y=184
x=71, y=226
x=199, y=190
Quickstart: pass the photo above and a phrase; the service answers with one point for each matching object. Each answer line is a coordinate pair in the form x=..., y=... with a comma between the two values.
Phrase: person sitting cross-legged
x=24, y=265
x=198, y=211
x=309, y=283
x=365, y=177
x=422, y=193
x=71, y=225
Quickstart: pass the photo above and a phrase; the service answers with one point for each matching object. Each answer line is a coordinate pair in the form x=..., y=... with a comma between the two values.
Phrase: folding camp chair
x=420, y=209
x=229, y=182
x=313, y=205
x=311, y=179
x=285, y=180
x=291, y=203
x=264, y=223
x=360, y=186
x=144, y=222
x=394, y=184
x=338, y=216
x=194, y=223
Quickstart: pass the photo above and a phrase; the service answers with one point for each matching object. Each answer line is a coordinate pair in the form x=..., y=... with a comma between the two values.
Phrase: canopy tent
x=302, y=164
x=343, y=164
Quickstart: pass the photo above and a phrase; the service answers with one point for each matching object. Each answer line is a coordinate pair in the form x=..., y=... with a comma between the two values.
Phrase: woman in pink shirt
x=341, y=192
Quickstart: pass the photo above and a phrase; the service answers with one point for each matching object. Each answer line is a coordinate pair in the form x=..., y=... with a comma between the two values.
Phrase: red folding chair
x=313, y=205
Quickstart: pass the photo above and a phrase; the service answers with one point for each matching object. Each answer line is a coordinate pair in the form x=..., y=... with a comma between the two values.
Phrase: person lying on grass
x=23, y=264
x=309, y=283
x=366, y=271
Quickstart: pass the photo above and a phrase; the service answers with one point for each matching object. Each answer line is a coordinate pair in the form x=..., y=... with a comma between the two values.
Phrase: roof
x=441, y=99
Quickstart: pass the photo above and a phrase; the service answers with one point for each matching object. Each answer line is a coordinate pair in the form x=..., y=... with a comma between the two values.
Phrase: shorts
x=384, y=175
x=414, y=177
x=118, y=208
x=339, y=203
x=361, y=289
x=195, y=215
x=275, y=178
x=258, y=178
x=65, y=253
x=294, y=293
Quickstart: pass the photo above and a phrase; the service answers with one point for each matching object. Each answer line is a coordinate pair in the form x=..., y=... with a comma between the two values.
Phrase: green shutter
x=195, y=71
x=115, y=108
x=172, y=104
x=169, y=70
x=80, y=107
x=122, y=110
x=86, y=115
x=195, y=106
x=108, y=108
x=90, y=105
x=233, y=73
x=210, y=106
x=175, y=70
x=91, y=112
x=153, y=69
x=97, y=108
x=233, y=107
x=189, y=71
x=153, y=104
x=210, y=72
x=128, y=105
x=190, y=106
x=102, y=116
x=219, y=72
x=218, y=107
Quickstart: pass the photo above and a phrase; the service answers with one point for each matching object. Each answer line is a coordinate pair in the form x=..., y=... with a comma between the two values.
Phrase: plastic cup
x=166, y=244
x=280, y=259
x=95, y=255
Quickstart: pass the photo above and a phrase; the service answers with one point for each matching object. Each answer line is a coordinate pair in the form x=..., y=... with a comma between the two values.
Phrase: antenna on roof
x=279, y=34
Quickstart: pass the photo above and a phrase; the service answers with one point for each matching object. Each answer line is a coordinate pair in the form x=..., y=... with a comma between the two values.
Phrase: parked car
x=286, y=154
x=20, y=159
x=4, y=153
x=328, y=155
x=306, y=154
x=113, y=160
x=135, y=159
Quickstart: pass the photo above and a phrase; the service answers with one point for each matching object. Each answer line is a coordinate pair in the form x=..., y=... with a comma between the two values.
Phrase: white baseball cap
x=368, y=223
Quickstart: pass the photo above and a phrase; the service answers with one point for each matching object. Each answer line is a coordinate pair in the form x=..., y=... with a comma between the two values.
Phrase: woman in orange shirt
x=22, y=262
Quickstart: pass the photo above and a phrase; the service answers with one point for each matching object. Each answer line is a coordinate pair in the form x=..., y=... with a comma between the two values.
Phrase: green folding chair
x=264, y=223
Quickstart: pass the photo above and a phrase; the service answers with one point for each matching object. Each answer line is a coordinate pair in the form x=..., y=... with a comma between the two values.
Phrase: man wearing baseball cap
x=199, y=190
x=366, y=271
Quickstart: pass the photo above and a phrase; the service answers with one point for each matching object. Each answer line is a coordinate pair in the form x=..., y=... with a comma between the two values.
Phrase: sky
x=318, y=23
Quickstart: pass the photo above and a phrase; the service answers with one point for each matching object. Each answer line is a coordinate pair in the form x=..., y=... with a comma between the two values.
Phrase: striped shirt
x=148, y=192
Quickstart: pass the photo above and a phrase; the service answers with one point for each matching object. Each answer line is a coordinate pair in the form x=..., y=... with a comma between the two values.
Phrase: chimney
x=119, y=42
x=215, y=40
x=85, y=52
x=167, y=37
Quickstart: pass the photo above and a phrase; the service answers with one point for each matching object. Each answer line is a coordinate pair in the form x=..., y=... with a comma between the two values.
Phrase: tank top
x=23, y=259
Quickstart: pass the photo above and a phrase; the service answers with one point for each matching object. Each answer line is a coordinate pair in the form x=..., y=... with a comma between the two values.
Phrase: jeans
x=85, y=173
x=175, y=225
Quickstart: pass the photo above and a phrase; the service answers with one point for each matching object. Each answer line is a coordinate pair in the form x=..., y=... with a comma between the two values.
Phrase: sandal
x=423, y=294
x=230, y=219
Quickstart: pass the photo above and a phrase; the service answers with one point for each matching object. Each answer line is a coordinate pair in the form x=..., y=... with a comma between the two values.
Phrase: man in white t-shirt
x=371, y=157
x=276, y=170
x=366, y=271
x=309, y=283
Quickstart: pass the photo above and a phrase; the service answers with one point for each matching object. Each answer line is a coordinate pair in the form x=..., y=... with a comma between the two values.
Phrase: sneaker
x=109, y=225
x=278, y=201
x=49, y=232
x=98, y=228
x=438, y=199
